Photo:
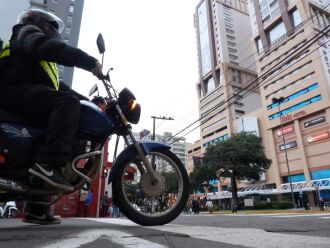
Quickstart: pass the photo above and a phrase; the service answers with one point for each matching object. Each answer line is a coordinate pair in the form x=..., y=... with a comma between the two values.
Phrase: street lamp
x=279, y=101
x=154, y=123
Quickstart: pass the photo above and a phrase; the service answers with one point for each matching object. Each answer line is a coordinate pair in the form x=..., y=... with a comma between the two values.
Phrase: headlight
x=131, y=109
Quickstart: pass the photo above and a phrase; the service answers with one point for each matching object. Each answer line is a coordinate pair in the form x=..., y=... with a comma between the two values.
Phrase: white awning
x=319, y=184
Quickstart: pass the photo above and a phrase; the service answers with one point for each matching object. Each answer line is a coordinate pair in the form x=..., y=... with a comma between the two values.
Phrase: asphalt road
x=229, y=231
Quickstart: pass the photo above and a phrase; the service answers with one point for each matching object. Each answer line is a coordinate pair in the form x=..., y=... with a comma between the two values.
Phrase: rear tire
x=128, y=188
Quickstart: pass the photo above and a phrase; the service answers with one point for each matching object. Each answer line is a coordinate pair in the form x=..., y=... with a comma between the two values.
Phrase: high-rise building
x=179, y=146
x=70, y=11
x=9, y=11
x=300, y=81
x=226, y=66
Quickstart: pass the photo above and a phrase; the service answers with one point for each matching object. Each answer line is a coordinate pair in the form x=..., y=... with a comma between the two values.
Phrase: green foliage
x=242, y=155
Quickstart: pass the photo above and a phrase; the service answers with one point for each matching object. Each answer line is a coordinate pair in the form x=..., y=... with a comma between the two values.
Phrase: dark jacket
x=28, y=46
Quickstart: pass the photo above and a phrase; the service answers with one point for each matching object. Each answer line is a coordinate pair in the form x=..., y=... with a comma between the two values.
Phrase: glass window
x=295, y=95
x=210, y=85
x=69, y=19
x=295, y=107
x=71, y=9
x=277, y=32
x=204, y=39
x=295, y=18
x=260, y=46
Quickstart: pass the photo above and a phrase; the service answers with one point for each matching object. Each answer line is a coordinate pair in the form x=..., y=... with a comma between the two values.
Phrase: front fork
x=146, y=163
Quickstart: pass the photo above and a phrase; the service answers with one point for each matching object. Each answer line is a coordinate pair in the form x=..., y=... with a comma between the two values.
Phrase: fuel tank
x=94, y=123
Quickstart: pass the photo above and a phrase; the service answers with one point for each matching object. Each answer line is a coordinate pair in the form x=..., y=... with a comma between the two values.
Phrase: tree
x=241, y=157
x=200, y=174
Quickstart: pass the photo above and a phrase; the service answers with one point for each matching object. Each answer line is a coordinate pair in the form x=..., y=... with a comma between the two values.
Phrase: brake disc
x=153, y=189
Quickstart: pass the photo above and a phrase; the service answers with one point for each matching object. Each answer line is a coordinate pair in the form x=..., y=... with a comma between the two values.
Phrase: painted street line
x=248, y=237
x=118, y=237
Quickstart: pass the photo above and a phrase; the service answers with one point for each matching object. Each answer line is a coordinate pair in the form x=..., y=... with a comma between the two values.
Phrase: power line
x=268, y=45
x=263, y=76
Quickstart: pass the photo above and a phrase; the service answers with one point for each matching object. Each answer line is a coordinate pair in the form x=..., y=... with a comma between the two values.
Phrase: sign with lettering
x=314, y=121
x=317, y=137
x=325, y=56
x=285, y=130
x=289, y=145
x=290, y=117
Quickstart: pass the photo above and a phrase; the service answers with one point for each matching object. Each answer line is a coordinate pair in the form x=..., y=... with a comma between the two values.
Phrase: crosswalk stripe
x=248, y=237
x=118, y=237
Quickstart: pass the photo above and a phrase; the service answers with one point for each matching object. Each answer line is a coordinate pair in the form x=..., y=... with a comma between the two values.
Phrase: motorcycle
x=9, y=210
x=143, y=174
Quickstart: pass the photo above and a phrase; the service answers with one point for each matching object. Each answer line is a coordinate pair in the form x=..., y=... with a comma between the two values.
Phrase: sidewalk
x=272, y=211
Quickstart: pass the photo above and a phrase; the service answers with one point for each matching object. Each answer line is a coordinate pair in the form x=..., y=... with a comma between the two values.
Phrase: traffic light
x=104, y=173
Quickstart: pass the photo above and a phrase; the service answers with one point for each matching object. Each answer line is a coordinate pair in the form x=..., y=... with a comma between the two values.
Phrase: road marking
x=248, y=237
x=118, y=237
x=325, y=217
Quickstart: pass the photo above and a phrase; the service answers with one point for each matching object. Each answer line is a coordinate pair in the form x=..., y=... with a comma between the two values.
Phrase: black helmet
x=49, y=23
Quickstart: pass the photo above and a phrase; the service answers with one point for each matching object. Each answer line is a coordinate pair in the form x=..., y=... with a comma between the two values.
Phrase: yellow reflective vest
x=49, y=67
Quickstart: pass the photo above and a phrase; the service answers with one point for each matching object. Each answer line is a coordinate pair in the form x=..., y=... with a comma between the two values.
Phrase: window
x=231, y=43
x=260, y=47
x=210, y=85
x=295, y=107
x=69, y=19
x=295, y=95
x=231, y=56
x=230, y=31
x=296, y=20
x=230, y=37
x=71, y=8
x=232, y=50
x=67, y=30
x=277, y=32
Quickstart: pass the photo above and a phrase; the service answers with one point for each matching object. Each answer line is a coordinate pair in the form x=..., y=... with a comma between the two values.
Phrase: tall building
x=179, y=146
x=226, y=66
x=301, y=83
x=9, y=11
x=70, y=11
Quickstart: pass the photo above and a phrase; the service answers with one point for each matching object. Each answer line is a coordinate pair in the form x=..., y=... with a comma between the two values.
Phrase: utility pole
x=279, y=101
x=154, y=123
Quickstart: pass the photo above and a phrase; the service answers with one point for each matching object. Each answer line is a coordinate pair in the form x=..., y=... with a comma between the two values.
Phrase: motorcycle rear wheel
x=144, y=203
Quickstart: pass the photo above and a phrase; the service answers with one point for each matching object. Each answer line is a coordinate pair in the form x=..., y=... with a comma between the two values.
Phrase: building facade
x=179, y=146
x=294, y=86
x=226, y=66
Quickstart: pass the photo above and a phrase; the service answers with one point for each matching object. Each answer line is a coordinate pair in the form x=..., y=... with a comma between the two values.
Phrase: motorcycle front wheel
x=147, y=203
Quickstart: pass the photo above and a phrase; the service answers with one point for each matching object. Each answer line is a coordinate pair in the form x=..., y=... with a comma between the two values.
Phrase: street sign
x=288, y=145
x=314, y=121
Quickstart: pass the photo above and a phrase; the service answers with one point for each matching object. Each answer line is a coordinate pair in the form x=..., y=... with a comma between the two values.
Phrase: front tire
x=144, y=203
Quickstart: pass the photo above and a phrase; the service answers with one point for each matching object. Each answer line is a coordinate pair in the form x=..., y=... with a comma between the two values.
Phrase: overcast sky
x=151, y=45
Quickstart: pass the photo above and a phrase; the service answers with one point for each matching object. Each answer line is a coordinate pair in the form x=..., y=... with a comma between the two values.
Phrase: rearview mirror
x=93, y=89
x=100, y=44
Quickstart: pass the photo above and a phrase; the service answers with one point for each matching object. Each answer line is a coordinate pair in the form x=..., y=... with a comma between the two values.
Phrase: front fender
x=130, y=154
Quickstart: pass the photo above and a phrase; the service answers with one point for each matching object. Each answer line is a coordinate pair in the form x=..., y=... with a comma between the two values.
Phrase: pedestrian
x=234, y=206
x=209, y=205
x=115, y=207
x=105, y=204
x=30, y=87
x=88, y=201
x=321, y=204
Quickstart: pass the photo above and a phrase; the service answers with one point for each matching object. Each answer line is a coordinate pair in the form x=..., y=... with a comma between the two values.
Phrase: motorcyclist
x=29, y=86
